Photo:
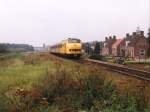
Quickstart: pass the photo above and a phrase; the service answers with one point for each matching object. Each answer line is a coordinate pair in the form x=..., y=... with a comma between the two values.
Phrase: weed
x=43, y=83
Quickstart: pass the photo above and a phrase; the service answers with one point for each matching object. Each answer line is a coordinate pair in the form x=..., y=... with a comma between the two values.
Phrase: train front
x=74, y=47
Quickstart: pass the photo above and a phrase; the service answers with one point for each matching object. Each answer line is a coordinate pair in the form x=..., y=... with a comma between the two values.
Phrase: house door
x=122, y=53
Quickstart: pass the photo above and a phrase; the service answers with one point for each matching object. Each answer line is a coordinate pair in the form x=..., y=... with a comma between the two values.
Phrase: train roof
x=73, y=38
x=64, y=41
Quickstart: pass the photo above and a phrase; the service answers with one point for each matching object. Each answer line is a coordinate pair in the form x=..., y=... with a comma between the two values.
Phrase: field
x=43, y=83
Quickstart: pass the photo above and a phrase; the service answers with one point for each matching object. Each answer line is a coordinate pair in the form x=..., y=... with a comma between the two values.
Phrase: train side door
x=65, y=49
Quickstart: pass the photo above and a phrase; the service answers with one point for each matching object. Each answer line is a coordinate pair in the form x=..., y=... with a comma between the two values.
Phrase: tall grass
x=43, y=83
x=88, y=92
x=20, y=73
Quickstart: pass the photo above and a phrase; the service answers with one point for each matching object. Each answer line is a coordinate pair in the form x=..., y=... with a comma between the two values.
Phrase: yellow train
x=70, y=47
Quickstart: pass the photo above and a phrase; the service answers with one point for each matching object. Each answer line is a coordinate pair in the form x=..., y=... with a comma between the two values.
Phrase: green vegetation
x=97, y=48
x=4, y=56
x=137, y=62
x=97, y=57
x=92, y=48
x=3, y=48
x=7, y=48
x=43, y=83
x=20, y=74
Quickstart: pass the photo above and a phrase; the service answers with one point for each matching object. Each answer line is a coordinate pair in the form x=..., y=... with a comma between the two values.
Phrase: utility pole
x=149, y=41
x=149, y=32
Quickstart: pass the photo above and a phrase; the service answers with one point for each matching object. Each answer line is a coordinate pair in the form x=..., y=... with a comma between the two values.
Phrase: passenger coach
x=70, y=47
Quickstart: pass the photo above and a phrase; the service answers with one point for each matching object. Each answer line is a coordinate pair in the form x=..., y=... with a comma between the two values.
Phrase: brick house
x=107, y=46
x=118, y=48
x=136, y=45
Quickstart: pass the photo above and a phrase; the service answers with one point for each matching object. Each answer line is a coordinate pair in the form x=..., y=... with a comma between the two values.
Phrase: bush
x=79, y=92
x=7, y=56
x=97, y=57
x=136, y=62
x=3, y=48
x=62, y=86
x=89, y=92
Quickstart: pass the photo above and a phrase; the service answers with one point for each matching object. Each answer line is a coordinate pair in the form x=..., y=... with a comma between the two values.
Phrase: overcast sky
x=49, y=21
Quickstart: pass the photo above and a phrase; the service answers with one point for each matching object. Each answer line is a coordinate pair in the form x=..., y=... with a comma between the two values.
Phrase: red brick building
x=136, y=45
x=107, y=46
x=118, y=48
x=133, y=46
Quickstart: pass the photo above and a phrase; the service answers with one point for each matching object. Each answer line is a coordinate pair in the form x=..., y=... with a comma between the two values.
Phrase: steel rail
x=141, y=74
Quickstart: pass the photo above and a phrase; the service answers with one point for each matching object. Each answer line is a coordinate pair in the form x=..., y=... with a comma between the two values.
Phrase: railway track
x=121, y=69
x=140, y=74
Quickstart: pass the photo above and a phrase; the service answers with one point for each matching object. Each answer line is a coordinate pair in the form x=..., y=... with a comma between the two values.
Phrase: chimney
x=127, y=35
x=130, y=36
x=142, y=33
x=134, y=34
x=114, y=37
x=110, y=37
x=106, y=38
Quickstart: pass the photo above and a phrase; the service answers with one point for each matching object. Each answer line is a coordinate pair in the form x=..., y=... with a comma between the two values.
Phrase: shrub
x=61, y=88
x=136, y=62
x=64, y=87
x=88, y=92
x=97, y=57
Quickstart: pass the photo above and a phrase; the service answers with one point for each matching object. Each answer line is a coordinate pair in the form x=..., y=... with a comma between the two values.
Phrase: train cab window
x=74, y=41
x=59, y=46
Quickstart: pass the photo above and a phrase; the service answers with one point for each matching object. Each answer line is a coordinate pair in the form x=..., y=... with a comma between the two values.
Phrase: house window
x=105, y=44
x=142, y=52
x=127, y=43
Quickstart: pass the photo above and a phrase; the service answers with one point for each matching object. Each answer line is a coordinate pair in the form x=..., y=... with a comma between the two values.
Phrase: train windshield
x=74, y=41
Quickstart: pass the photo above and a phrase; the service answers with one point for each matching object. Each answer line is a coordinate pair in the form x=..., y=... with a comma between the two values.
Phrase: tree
x=97, y=49
x=3, y=48
x=15, y=48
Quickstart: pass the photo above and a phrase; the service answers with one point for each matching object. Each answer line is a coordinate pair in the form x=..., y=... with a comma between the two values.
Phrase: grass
x=138, y=62
x=22, y=74
x=43, y=83
x=140, y=65
x=4, y=56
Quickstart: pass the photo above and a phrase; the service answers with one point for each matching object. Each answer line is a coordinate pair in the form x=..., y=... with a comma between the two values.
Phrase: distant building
x=136, y=45
x=133, y=46
x=107, y=46
x=41, y=49
x=44, y=45
x=118, y=48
